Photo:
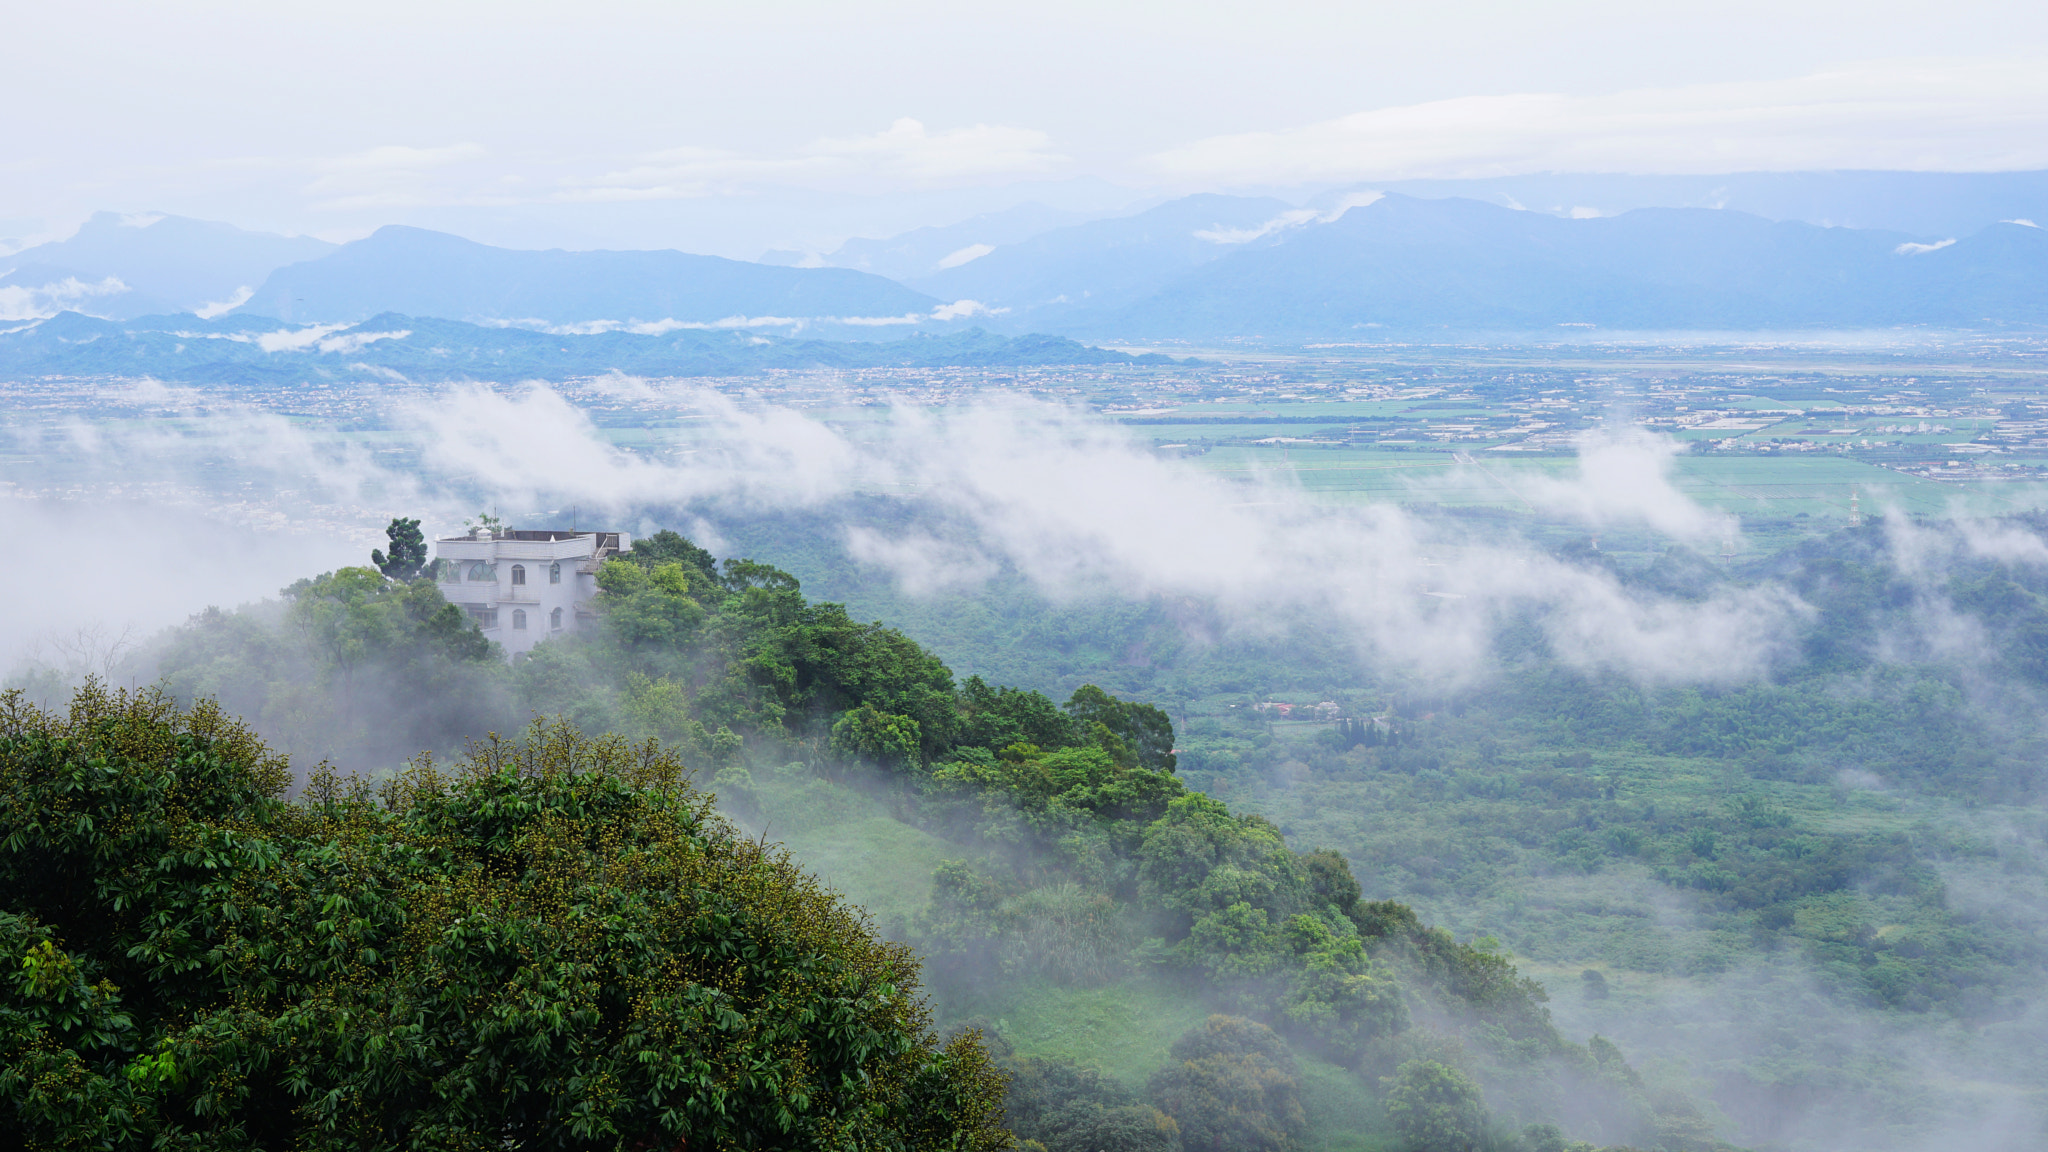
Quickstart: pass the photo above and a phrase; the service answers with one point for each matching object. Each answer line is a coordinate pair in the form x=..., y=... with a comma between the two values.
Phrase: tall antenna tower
x=1855, y=509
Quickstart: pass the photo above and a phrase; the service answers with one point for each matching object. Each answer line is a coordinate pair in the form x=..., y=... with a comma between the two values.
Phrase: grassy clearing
x=877, y=862
x=1123, y=1028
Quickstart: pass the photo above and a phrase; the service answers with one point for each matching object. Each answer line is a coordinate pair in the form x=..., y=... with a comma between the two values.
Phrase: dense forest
x=1168, y=820
x=1064, y=851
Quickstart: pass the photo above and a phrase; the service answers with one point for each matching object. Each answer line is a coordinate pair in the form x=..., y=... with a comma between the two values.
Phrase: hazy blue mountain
x=126, y=266
x=1412, y=264
x=246, y=349
x=1940, y=203
x=1105, y=264
x=422, y=273
x=928, y=251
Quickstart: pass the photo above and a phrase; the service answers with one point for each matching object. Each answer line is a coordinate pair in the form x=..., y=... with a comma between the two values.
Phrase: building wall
x=497, y=603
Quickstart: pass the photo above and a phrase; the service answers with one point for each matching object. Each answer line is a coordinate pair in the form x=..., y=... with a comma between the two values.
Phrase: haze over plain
x=1700, y=674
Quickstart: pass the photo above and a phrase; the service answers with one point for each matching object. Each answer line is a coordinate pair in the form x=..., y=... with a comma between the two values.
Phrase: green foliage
x=1068, y=1108
x=559, y=945
x=1231, y=1088
x=408, y=550
x=1139, y=735
x=876, y=735
x=1436, y=1108
x=1087, y=859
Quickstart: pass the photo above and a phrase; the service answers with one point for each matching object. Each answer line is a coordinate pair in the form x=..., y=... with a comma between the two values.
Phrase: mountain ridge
x=425, y=273
x=243, y=349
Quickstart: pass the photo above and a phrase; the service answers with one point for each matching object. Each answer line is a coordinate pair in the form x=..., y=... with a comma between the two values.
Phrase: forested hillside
x=1822, y=889
x=1068, y=869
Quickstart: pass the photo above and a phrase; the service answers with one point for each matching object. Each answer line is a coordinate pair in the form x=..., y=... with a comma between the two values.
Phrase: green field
x=1818, y=486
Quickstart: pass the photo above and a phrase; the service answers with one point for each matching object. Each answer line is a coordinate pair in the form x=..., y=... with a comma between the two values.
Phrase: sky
x=732, y=128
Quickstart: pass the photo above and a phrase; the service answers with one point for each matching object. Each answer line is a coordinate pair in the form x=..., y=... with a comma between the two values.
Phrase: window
x=518, y=616
x=555, y=617
x=447, y=571
x=519, y=574
x=486, y=618
x=483, y=572
x=555, y=575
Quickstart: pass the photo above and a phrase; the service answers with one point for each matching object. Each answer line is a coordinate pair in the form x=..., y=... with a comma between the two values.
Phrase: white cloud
x=907, y=147
x=1289, y=220
x=1911, y=249
x=1624, y=477
x=23, y=302
x=140, y=219
x=240, y=297
x=1280, y=223
x=355, y=341
x=957, y=310
x=906, y=155
x=1021, y=484
x=396, y=175
x=1903, y=114
x=966, y=255
x=961, y=309
x=2022, y=222
x=291, y=339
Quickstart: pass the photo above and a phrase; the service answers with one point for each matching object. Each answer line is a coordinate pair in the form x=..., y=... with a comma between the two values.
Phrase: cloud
x=394, y=175
x=1286, y=221
x=957, y=310
x=906, y=155
x=209, y=311
x=25, y=302
x=965, y=255
x=908, y=148
x=1624, y=478
x=961, y=309
x=355, y=341
x=1911, y=249
x=1021, y=486
x=290, y=339
x=1025, y=483
x=1950, y=115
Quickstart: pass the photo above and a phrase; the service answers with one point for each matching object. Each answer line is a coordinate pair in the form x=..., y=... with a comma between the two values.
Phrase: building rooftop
x=533, y=534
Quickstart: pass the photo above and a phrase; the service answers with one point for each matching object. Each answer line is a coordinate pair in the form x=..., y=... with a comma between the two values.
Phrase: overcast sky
x=736, y=126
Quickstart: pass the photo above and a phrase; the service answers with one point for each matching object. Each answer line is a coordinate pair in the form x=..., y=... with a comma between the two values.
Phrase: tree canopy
x=408, y=550
x=557, y=944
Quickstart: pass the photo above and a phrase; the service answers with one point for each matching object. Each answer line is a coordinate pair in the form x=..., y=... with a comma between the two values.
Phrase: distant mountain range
x=927, y=251
x=1404, y=264
x=126, y=266
x=1941, y=203
x=1216, y=267
x=248, y=350
x=1348, y=264
x=424, y=273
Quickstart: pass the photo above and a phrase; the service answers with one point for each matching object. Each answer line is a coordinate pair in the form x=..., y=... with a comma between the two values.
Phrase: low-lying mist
x=1049, y=501
x=1073, y=505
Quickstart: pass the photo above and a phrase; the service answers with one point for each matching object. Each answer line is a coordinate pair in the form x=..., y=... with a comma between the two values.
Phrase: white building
x=524, y=587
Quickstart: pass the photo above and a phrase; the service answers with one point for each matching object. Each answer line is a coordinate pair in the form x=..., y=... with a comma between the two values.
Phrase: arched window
x=483, y=572
x=519, y=573
x=519, y=618
x=555, y=572
x=555, y=620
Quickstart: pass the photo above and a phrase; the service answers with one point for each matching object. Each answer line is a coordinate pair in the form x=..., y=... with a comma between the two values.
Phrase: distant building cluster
x=1327, y=710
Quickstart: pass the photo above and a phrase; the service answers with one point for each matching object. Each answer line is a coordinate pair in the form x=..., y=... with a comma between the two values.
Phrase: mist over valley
x=1048, y=578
